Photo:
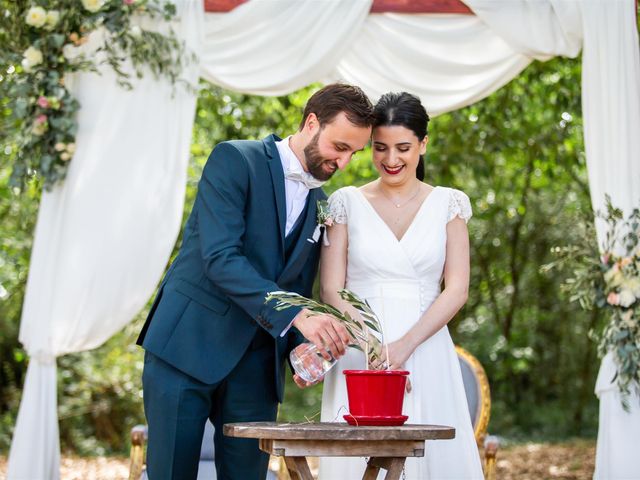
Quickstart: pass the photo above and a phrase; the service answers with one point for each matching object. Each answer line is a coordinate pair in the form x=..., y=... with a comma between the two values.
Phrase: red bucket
x=376, y=393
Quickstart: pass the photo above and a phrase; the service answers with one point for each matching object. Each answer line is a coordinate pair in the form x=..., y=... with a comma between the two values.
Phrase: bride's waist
x=395, y=288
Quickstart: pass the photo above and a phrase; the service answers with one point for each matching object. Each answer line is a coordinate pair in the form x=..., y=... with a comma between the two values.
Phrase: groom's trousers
x=177, y=407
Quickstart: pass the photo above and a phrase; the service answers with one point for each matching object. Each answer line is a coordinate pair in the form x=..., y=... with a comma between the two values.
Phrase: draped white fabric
x=449, y=61
x=273, y=47
x=537, y=29
x=611, y=115
x=104, y=236
x=608, y=34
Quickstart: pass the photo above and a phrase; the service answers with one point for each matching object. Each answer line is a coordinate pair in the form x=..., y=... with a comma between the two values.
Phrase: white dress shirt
x=295, y=192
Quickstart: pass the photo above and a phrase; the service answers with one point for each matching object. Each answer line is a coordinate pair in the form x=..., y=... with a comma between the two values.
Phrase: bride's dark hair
x=405, y=110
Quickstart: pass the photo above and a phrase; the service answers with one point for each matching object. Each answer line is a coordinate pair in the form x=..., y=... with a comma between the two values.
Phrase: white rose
x=59, y=147
x=93, y=5
x=626, y=298
x=69, y=51
x=32, y=57
x=71, y=148
x=36, y=17
x=633, y=285
x=65, y=157
x=53, y=17
x=136, y=31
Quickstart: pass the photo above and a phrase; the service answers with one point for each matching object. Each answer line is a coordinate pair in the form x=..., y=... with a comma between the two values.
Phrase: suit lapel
x=298, y=255
x=277, y=178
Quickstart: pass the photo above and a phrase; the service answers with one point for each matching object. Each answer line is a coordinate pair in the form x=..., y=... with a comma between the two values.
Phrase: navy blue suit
x=213, y=347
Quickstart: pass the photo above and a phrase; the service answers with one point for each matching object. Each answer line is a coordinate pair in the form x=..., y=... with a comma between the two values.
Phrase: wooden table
x=387, y=447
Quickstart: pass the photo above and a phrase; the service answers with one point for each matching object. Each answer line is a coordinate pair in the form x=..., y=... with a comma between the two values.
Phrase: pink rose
x=128, y=2
x=329, y=222
x=613, y=299
x=40, y=119
x=605, y=258
x=43, y=102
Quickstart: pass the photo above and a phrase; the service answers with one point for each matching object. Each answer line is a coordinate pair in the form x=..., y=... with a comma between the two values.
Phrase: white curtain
x=608, y=34
x=611, y=115
x=103, y=237
x=449, y=61
x=273, y=47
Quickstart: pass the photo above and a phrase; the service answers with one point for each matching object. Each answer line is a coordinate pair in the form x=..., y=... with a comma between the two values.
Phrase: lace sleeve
x=459, y=206
x=337, y=207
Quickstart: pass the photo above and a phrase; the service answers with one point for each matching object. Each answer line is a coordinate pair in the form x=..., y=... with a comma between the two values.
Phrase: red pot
x=376, y=393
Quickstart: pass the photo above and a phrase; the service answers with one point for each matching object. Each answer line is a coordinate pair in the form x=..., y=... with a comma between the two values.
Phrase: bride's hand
x=399, y=352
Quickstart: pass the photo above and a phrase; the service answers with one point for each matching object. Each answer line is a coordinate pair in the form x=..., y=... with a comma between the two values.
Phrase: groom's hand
x=324, y=331
x=303, y=383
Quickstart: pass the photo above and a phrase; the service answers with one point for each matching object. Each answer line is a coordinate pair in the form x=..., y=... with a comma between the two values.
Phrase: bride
x=392, y=243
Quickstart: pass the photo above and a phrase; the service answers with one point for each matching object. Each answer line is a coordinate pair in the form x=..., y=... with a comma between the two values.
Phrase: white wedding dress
x=400, y=279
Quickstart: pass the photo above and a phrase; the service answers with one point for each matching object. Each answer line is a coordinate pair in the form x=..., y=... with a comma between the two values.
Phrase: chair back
x=476, y=387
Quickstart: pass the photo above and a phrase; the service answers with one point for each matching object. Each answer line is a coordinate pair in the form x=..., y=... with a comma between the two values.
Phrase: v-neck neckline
x=388, y=228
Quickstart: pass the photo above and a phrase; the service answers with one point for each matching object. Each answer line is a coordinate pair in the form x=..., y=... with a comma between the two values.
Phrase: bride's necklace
x=400, y=204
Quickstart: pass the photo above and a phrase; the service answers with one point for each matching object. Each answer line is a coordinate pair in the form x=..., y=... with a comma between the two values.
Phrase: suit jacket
x=210, y=304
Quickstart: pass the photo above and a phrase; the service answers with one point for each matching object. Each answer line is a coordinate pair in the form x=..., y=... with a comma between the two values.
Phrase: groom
x=214, y=349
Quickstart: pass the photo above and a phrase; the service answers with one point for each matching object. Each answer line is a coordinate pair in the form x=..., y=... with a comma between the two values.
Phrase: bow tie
x=305, y=178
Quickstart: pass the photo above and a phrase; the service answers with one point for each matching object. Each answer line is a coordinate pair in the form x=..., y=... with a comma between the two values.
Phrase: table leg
x=392, y=465
x=371, y=473
x=298, y=468
x=394, y=470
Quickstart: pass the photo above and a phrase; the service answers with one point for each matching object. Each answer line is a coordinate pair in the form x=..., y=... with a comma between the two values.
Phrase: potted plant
x=375, y=395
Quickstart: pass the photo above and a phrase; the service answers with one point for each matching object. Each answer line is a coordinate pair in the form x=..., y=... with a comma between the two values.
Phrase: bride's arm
x=448, y=303
x=333, y=266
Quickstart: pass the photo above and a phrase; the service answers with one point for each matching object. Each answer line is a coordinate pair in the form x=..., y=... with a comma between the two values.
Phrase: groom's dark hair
x=329, y=101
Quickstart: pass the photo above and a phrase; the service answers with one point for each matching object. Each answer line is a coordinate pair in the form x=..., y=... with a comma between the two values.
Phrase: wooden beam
x=379, y=6
x=221, y=6
x=420, y=6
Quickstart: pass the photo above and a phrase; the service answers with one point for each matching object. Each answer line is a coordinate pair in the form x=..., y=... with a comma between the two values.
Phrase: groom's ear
x=311, y=124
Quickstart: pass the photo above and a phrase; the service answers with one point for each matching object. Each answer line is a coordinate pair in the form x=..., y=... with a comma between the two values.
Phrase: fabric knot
x=44, y=358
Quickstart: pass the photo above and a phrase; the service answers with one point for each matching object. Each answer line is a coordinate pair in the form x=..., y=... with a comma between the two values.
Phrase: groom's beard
x=318, y=166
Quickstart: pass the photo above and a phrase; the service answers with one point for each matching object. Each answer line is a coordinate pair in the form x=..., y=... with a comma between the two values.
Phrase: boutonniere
x=323, y=220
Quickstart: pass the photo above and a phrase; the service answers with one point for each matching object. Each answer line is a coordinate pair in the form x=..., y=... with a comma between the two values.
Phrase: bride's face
x=396, y=153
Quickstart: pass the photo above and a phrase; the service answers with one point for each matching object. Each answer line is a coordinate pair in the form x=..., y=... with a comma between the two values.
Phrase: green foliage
x=17, y=221
x=518, y=155
x=611, y=281
x=100, y=395
x=38, y=41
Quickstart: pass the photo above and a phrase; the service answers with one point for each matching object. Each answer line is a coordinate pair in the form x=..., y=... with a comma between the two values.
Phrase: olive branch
x=361, y=331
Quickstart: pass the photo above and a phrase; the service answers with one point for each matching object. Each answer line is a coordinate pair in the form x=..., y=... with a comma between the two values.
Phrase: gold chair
x=206, y=467
x=476, y=386
x=136, y=456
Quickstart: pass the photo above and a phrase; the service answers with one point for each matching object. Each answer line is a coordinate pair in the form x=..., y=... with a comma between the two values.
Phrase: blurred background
x=518, y=155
